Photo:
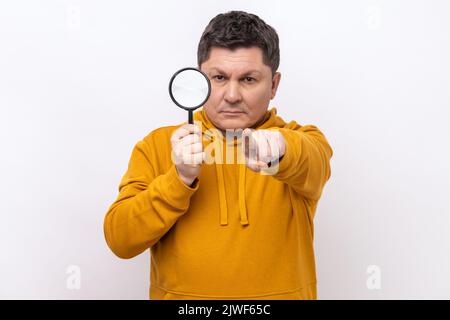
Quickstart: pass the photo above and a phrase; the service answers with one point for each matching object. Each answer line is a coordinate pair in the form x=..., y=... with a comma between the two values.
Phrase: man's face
x=241, y=87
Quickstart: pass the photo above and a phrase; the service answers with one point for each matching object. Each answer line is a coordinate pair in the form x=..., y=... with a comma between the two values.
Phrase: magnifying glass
x=189, y=89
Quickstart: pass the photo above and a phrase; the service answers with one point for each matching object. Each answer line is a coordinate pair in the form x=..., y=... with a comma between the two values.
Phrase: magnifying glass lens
x=189, y=89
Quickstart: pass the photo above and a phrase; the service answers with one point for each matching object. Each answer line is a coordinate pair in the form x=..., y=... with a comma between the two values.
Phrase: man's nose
x=232, y=93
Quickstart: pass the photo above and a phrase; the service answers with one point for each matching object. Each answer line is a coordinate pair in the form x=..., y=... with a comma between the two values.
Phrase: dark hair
x=236, y=29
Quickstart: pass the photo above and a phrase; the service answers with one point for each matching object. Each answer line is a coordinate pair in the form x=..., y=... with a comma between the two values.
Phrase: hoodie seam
x=241, y=296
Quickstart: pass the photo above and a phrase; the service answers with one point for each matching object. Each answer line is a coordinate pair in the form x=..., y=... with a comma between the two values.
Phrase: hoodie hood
x=271, y=120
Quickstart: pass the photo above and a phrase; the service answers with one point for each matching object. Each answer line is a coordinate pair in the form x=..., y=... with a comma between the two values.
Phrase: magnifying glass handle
x=191, y=117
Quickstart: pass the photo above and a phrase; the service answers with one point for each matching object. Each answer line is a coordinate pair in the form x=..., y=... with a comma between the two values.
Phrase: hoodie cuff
x=291, y=154
x=176, y=189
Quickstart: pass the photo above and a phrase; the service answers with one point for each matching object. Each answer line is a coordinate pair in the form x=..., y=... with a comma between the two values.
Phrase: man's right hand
x=187, y=152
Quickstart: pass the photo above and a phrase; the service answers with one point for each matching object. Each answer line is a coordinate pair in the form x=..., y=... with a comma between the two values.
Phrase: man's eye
x=249, y=79
x=219, y=77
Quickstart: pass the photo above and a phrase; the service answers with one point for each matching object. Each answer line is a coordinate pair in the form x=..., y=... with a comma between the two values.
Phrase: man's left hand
x=262, y=147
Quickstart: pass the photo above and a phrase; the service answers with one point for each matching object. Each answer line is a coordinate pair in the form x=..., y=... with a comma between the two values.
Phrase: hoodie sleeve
x=305, y=165
x=147, y=206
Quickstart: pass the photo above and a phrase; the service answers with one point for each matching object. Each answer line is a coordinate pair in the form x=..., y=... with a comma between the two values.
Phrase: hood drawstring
x=242, y=204
x=222, y=194
x=223, y=199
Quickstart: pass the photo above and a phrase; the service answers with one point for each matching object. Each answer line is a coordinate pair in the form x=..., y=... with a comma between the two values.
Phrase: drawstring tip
x=244, y=222
x=223, y=221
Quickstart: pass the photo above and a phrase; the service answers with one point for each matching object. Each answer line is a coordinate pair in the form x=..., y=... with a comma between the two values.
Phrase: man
x=223, y=226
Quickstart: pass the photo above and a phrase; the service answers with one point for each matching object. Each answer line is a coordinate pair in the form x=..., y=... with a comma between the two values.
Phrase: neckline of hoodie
x=201, y=113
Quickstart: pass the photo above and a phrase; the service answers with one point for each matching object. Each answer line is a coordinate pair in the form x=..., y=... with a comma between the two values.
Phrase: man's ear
x=275, y=82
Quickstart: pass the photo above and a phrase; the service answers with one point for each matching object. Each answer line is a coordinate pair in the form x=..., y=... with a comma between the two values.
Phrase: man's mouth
x=232, y=112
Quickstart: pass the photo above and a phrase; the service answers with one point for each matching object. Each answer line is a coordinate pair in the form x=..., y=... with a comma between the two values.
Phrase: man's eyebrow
x=245, y=73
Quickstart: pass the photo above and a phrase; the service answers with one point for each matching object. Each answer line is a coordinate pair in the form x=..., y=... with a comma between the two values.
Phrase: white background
x=82, y=81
